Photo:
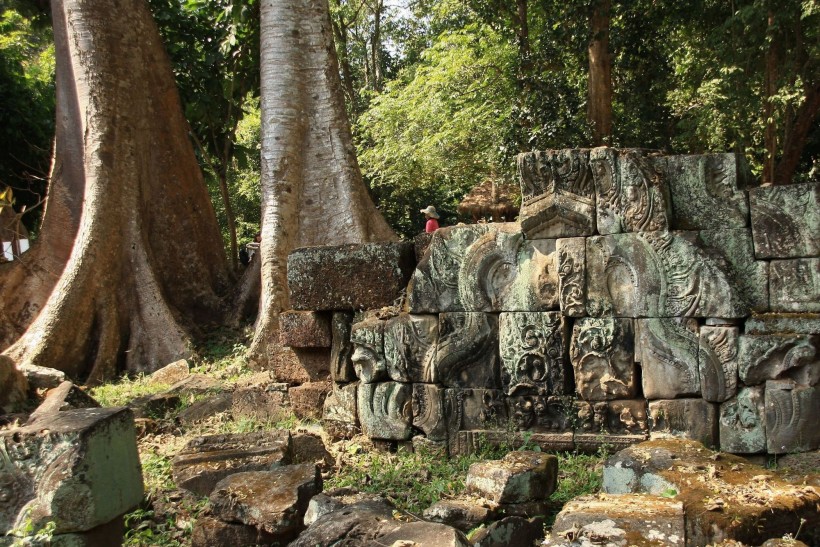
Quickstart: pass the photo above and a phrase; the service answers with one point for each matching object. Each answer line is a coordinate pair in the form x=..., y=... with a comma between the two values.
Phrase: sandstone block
x=385, y=410
x=428, y=411
x=207, y=460
x=510, y=531
x=572, y=276
x=558, y=194
x=341, y=348
x=299, y=365
x=263, y=402
x=694, y=419
x=425, y=534
x=77, y=468
x=795, y=285
x=520, y=476
x=542, y=413
x=319, y=278
x=307, y=400
x=470, y=442
x=111, y=533
x=304, y=329
x=212, y=532
x=784, y=323
x=791, y=412
x=533, y=348
x=339, y=416
x=743, y=422
x=361, y=523
x=773, y=357
x=368, y=356
x=626, y=417
x=195, y=384
x=463, y=514
x=717, y=363
x=309, y=448
x=468, y=409
x=667, y=350
x=786, y=220
x=320, y=505
x=467, y=351
x=410, y=348
x=66, y=396
x=603, y=358
x=203, y=409
x=170, y=374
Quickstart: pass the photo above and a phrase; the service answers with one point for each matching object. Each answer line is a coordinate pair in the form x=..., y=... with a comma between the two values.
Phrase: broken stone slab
x=425, y=534
x=78, y=469
x=718, y=363
x=557, y=192
x=667, y=350
x=360, y=523
x=207, y=460
x=542, y=413
x=467, y=351
x=603, y=358
x=624, y=417
x=66, y=396
x=205, y=408
x=466, y=443
x=319, y=277
x=429, y=411
x=794, y=285
x=773, y=357
x=534, y=347
x=791, y=413
x=630, y=191
x=368, y=356
x=320, y=505
x=463, y=514
x=625, y=520
x=509, y=531
x=155, y=406
x=786, y=220
x=274, y=501
x=341, y=348
x=520, y=476
x=262, y=402
x=783, y=323
x=170, y=374
x=309, y=448
x=195, y=384
x=211, y=532
x=304, y=329
x=705, y=192
x=694, y=419
x=42, y=377
x=386, y=410
x=307, y=401
x=339, y=415
x=724, y=496
x=421, y=242
x=572, y=276
x=743, y=422
x=410, y=348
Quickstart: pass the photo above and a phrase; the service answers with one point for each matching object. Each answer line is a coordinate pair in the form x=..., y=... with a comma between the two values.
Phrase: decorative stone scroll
x=717, y=363
x=368, y=358
x=694, y=419
x=410, y=347
x=428, y=411
x=386, y=410
x=795, y=284
x=791, y=417
x=558, y=195
x=786, y=220
x=467, y=352
x=603, y=358
x=469, y=409
x=627, y=417
x=572, y=282
x=533, y=353
x=667, y=350
x=542, y=413
x=743, y=422
x=774, y=357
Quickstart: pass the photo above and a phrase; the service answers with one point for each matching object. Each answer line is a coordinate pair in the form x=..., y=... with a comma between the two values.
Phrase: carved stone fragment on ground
x=603, y=358
x=410, y=348
x=785, y=356
x=368, y=356
x=463, y=514
x=386, y=410
x=533, y=349
x=667, y=350
x=717, y=363
x=743, y=422
x=794, y=285
x=572, y=276
x=694, y=419
x=786, y=220
x=791, y=417
x=467, y=352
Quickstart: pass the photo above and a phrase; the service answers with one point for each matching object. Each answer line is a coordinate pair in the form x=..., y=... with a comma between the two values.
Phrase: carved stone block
x=428, y=411
x=467, y=352
x=795, y=284
x=630, y=191
x=791, y=417
x=743, y=422
x=339, y=416
x=541, y=413
x=470, y=442
x=534, y=353
x=773, y=357
x=787, y=323
x=558, y=194
x=386, y=410
x=410, y=347
x=603, y=358
x=368, y=356
x=717, y=363
x=572, y=276
x=667, y=350
x=341, y=348
x=693, y=419
x=627, y=417
x=470, y=409
x=704, y=191
x=786, y=220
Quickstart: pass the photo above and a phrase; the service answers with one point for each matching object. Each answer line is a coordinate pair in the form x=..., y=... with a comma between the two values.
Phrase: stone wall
x=640, y=295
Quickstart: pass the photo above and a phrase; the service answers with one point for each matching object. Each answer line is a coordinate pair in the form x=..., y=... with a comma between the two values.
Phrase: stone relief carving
x=743, y=422
x=667, y=350
x=428, y=411
x=543, y=413
x=773, y=357
x=603, y=358
x=717, y=363
x=410, y=347
x=791, y=417
x=694, y=419
x=467, y=352
x=341, y=349
x=786, y=220
x=795, y=285
x=627, y=417
x=533, y=353
x=572, y=276
x=386, y=410
x=368, y=356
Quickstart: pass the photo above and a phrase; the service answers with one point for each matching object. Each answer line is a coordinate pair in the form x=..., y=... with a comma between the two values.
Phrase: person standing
x=432, y=219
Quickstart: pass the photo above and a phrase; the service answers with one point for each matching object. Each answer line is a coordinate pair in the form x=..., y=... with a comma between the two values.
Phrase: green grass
x=123, y=391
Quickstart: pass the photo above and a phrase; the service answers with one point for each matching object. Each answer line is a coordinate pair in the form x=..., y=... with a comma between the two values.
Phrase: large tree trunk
x=147, y=263
x=599, y=107
x=312, y=189
x=796, y=137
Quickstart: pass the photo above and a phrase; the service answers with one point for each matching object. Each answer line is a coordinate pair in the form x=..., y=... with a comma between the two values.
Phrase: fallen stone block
x=155, y=406
x=307, y=400
x=42, y=377
x=66, y=396
x=111, y=533
x=320, y=505
x=786, y=220
x=78, y=469
x=509, y=531
x=425, y=534
x=463, y=514
x=206, y=460
x=319, y=277
x=309, y=448
x=694, y=419
x=195, y=384
x=794, y=285
x=170, y=374
x=360, y=523
x=520, y=476
x=304, y=329
x=212, y=532
x=263, y=403
x=791, y=412
x=205, y=408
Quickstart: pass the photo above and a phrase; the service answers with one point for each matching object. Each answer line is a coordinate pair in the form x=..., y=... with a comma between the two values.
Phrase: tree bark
x=795, y=139
x=312, y=189
x=769, y=90
x=147, y=263
x=599, y=106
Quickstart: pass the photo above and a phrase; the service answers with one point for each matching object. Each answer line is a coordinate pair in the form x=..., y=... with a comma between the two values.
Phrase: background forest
x=443, y=94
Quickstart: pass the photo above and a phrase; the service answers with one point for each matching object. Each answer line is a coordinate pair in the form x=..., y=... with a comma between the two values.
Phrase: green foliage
x=125, y=390
x=29, y=534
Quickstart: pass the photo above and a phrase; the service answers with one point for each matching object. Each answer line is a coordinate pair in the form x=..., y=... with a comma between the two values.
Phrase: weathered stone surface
x=339, y=416
x=263, y=402
x=667, y=350
x=463, y=514
x=626, y=520
x=783, y=323
x=206, y=460
x=704, y=191
x=468, y=409
x=360, y=523
x=42, y=377
x=794, y=285
x=320, y=505
x=205, y=408
x=307, y=400
x=304, y=329
x=274, y=501
x=603, y=358
x=368, y=356
x=572, y=276
x=341, y=348
x=533, y=348
x=630, y=190
x=786, y=220
x=421, y=242
x=410, y=348
x=558, y=195
x=425, y=534
x=467, y=352
x=171, y=374
x=743, y=422
x=626, y=417
x=543, y=413
x=470, y=442
x=773, y=357
x=212, y=532
x=66, y=396
x=298, y=365
x=196, y=384
x=518, y=477
x=428, y=411
x=309, y=448
x=791, y=417
x=724, y=497
x=155, y=406
x=717, y=363
x=510, y=531
x=112, y=533
x=386, y=410
x=694, y=419
x=319, y=277
x=77, y=468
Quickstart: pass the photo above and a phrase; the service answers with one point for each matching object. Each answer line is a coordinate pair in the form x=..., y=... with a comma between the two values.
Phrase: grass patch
x=125, y=390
